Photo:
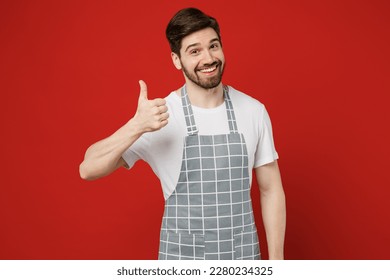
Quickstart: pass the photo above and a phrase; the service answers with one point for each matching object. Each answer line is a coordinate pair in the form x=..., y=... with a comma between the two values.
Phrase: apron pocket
x=181, y=246
x=246, y=245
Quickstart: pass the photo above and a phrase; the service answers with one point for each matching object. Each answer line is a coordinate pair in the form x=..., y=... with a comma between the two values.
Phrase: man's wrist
x=134, y=127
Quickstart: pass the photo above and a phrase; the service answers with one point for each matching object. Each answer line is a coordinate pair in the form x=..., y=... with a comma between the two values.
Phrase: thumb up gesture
x=151, y=115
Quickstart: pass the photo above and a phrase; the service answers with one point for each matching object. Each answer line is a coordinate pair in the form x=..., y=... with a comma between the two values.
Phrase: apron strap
x=230, y=111
x=189, y=114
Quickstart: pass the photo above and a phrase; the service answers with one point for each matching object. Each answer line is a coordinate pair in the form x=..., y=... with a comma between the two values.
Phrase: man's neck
x=205, y=98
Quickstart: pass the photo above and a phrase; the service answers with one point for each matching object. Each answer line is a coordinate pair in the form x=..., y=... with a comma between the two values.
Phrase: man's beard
x=206, y=82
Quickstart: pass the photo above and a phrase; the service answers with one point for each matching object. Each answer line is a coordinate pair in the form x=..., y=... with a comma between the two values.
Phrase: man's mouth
x=209, y=69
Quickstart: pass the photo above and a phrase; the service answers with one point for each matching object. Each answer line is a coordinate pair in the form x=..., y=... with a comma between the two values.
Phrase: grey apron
x=209, y=214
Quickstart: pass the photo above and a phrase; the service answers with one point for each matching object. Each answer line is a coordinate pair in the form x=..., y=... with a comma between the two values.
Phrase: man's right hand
x=151, y=115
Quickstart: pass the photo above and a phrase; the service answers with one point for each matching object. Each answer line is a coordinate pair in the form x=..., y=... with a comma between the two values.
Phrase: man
x=202, y=141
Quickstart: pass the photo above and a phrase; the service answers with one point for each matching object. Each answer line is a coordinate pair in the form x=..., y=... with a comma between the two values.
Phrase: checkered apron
x=209, y=214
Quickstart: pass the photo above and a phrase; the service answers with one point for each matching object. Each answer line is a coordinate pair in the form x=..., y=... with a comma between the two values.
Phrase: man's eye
x=214, y=46
x=194, y=51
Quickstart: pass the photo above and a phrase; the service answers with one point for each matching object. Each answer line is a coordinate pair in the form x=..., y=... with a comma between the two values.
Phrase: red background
x=69, y=73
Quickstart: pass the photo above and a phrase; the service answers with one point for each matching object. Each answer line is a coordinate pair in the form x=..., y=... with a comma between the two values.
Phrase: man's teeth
x=208, y=70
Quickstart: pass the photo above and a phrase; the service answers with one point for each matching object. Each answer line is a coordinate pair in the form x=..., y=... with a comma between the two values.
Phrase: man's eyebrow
x=197, y=44
x=192, y=45
x=215, y=40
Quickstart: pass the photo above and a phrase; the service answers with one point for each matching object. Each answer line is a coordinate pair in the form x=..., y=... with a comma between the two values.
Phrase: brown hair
x=185, y=22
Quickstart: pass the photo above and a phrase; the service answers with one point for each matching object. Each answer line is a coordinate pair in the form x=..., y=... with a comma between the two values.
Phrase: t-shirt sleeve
x=265, y=152
x=136, y=151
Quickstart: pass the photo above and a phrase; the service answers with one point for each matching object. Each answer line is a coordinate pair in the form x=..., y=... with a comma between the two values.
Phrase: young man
x=202, y=141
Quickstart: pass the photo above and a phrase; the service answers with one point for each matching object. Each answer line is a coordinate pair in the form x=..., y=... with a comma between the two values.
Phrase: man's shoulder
x=173, y=99
x=244, y=100
x=171, y=96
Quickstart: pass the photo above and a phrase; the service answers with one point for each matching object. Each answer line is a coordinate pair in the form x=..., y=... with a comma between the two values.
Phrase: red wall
x=68, y=77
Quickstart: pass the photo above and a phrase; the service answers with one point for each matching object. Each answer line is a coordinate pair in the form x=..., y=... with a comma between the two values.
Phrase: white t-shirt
x=163, y=149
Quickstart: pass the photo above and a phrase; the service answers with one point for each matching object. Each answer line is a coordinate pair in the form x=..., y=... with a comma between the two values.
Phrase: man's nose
x=208, y=58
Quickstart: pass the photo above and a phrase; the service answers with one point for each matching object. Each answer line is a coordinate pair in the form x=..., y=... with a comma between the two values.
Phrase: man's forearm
x=273, y=208
x=102, y=157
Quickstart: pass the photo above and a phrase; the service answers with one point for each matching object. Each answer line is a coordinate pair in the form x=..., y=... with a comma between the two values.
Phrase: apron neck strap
x=189, y=114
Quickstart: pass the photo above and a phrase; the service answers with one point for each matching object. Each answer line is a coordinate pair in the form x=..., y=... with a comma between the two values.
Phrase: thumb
x=143, y=93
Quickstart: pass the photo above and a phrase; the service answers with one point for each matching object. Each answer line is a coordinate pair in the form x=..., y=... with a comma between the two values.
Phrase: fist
x=151, y=115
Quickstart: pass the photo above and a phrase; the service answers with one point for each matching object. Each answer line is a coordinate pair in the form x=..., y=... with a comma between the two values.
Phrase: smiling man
x=202, y=141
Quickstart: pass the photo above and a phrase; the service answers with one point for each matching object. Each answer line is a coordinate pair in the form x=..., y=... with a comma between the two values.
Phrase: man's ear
x=176, y=60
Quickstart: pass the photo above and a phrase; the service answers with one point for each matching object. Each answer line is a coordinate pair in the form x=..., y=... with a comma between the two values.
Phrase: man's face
x=202, y=59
